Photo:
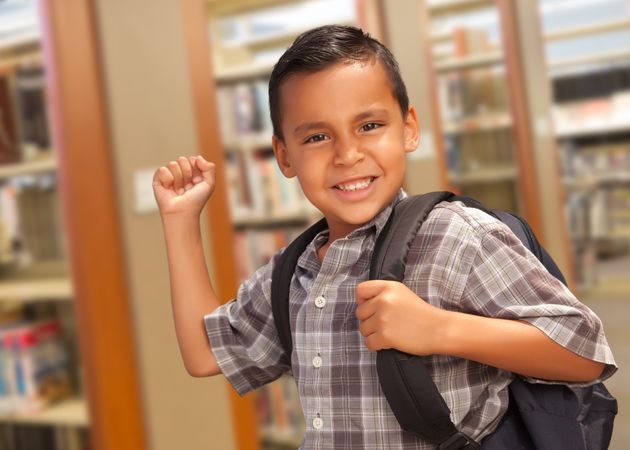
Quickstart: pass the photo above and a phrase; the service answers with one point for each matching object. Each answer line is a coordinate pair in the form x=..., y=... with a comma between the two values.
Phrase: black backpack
x=540, y=416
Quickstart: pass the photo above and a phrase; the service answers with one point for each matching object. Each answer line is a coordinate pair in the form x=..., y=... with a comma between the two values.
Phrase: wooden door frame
x=78, y=117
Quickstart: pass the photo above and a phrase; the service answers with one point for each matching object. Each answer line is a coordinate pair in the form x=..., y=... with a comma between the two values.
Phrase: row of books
x=471, y=91
x=255, y=247
x=598, y=215
x=618, y=202
x=33, y=437
x=257, y=187
x=485, y=148
x=24, y=130
x=34, y=366
x=600, y=114
x=244, y=110
x=30, y=222
x=603, y=83
x=599, y=158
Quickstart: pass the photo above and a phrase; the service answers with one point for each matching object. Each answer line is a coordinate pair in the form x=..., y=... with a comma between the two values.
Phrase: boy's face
x=345, y=139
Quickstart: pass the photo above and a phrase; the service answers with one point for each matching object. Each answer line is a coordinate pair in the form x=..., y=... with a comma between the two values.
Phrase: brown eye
x=316, y=138
x=370, y=126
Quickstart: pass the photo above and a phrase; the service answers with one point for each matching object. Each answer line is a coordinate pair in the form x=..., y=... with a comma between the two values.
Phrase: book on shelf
x=254, y=247
x=31, y=104
x=33, y=213
x=258, y=189
x=9, y=149
x=35, y=368
x=244, y=108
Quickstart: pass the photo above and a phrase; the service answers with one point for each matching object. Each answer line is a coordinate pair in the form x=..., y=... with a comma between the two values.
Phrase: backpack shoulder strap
x=281, y=283
x=392, y=245
x=407, y=384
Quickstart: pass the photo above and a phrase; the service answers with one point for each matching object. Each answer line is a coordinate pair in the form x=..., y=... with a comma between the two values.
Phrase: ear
x=412, y=130
x=282, y=156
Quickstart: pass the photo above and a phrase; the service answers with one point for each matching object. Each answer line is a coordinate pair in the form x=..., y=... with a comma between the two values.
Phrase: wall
x=151, y=115
x=405, y=37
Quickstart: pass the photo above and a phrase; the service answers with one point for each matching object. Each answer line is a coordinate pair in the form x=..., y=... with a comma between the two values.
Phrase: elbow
x=589, y=371
x=198, y=370
x=202, y=372
x=594, y=371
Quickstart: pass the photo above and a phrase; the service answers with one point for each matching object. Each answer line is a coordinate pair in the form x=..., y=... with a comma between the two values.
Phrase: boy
x=475, y=302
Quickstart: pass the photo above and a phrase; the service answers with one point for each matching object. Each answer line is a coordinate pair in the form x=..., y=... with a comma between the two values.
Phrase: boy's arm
x=392, y=316
x=181, y=189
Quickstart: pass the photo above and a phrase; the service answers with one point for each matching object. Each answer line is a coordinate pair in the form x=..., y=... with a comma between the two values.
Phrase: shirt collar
x=375, y=225
x=379, y=221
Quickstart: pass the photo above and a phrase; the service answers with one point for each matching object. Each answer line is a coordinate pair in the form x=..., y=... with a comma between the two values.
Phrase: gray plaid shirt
x=462, y=260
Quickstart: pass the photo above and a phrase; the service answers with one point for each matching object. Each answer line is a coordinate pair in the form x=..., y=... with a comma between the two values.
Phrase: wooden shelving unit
x=592, y=126
x=492, y=139
x=36, y=290
x=483, y=145
x=31, y=282
x=67, y=413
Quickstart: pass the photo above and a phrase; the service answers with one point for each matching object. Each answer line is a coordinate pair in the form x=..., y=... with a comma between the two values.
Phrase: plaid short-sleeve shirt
x=461, y=260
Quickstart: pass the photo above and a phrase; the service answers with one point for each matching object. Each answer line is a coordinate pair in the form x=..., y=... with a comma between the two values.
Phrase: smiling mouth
x=355, y=185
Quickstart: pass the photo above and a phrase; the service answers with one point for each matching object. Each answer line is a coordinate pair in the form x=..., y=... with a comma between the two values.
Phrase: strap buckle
x=459, y=441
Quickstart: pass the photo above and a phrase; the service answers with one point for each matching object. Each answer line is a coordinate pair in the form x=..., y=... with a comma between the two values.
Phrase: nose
x=348, y=151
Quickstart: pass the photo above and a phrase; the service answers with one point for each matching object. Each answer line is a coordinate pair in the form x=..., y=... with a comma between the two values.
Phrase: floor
x=610, y=299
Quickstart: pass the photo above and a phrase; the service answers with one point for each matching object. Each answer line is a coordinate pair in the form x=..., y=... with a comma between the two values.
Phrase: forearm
x=192, y=294
x=515, y=346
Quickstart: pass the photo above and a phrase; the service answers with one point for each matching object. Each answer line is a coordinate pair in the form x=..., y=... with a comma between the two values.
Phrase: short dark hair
x=321, y=47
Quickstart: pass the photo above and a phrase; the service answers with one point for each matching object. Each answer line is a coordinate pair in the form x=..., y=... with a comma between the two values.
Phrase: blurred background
x=524, y=105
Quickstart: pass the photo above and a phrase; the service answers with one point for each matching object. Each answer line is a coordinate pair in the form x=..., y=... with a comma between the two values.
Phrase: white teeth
x=354, y=186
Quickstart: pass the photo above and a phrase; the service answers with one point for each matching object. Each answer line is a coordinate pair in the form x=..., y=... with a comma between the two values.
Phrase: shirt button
x=318, y=423
x=320, y=302
x=317, y=361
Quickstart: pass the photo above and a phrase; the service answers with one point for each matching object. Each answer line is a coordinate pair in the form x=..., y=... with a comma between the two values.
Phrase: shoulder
x=453, y=231
x=458, y=224
x=458, y=215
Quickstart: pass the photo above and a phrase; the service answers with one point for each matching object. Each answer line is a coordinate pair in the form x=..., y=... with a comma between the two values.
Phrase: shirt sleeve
x=507, y=281
x=243, y=336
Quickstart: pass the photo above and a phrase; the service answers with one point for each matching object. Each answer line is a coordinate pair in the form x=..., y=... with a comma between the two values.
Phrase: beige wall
x=403, y=35
x=151, y=116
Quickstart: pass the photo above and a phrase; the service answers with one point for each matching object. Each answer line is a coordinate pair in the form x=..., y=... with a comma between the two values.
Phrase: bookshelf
x=70, y=306
x=588, y=59
x=492, y=139
x=485, y=148
x=36, y=290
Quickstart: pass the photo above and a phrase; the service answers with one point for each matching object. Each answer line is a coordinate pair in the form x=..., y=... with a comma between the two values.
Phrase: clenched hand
x=393, y=316
x=184, y=186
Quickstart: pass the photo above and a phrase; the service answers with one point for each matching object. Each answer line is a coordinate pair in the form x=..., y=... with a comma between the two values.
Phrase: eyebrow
x=362, y=116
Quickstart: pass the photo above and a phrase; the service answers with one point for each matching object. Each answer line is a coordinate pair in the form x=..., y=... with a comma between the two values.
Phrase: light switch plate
x=143, y=189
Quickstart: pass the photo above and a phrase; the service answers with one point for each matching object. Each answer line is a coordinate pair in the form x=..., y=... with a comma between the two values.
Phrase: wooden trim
x=518, y=105
x=220, y=227
x=581, y=31
x=434, y=102
x=87, y=184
